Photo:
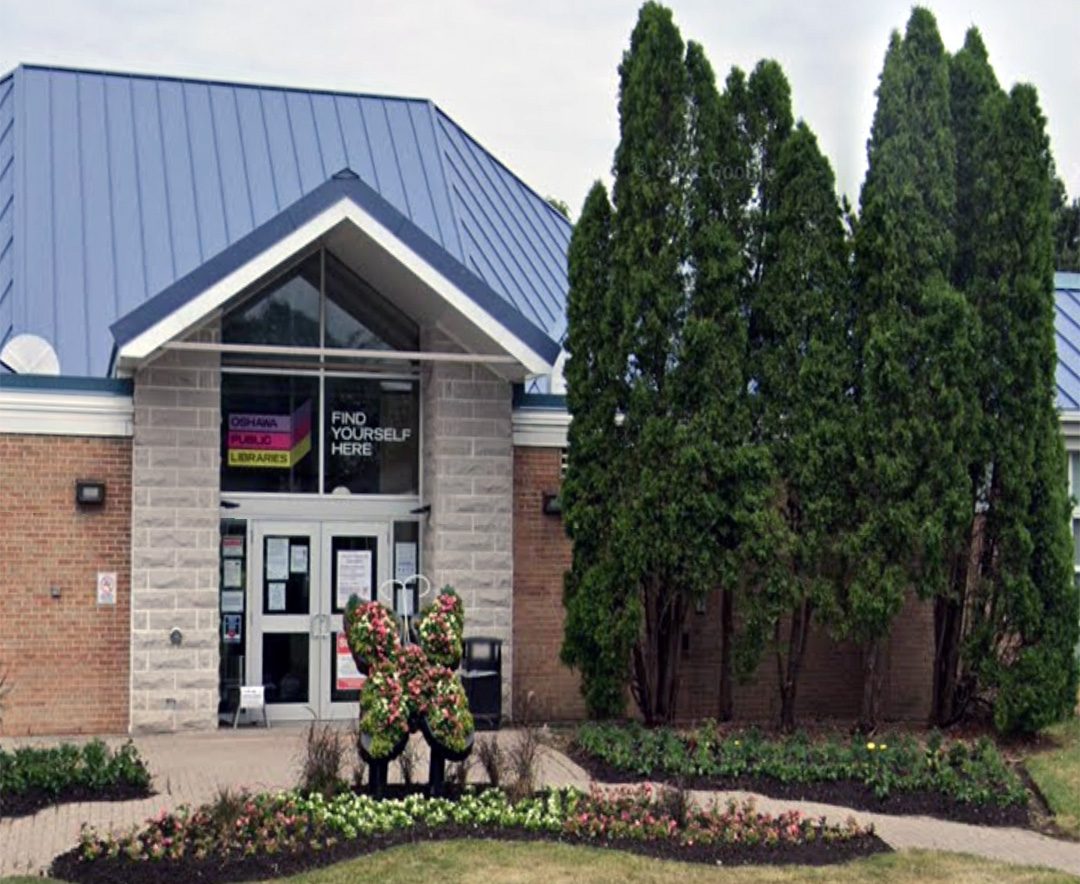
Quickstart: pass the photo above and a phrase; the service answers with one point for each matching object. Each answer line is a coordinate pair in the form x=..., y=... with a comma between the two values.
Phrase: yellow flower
x=883, y=747
x=871, y=746
x=737, y=743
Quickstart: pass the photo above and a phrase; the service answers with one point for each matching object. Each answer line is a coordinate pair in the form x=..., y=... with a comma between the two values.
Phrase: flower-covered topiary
x=447, y=714
x=372, y=632
x=440, y=629
x=408, y=683
x=384, y=712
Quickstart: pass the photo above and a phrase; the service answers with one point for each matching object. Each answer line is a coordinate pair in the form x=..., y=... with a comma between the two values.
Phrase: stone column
x=175, y=538
x=468, y=474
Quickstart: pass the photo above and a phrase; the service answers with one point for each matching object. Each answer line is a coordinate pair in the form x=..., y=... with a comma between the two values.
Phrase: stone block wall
x=468, y=481
x=175, y=538
x=65, y=656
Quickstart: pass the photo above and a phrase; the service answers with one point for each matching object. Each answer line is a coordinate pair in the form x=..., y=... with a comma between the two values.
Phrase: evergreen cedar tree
x=802, y=364
x=915, y=347
x=817, y=434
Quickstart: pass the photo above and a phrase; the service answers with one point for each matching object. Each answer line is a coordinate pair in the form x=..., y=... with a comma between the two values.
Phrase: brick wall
x=830, y=686
x=175, y=537
x=468, y=481
x=67, y=658
x=541, y=557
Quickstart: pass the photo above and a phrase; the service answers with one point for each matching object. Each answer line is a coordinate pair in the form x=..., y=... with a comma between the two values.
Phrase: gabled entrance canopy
x=380, y=244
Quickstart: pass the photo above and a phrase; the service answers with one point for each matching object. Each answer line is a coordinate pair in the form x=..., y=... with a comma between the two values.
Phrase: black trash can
x=481, y=676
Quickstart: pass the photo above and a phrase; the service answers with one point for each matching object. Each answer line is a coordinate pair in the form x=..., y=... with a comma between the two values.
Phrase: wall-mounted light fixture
x=552, y=504
x=89, y=493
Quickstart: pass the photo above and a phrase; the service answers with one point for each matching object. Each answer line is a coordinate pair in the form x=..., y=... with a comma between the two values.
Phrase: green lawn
x=1057, y=774
x=533, y=863
x=486, y=862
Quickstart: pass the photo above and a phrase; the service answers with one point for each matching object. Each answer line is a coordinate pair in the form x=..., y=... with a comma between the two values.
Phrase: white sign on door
x=353, y=575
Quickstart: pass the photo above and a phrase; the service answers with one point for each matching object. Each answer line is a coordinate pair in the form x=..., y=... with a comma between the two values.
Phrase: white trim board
x=540, y=427
x=40, y=413
x=186, y=317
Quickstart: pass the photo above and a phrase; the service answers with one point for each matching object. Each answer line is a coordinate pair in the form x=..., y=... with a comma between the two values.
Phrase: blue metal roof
x=344, y=184
x=1067, y=333
x=7, y=203
x=114, y=187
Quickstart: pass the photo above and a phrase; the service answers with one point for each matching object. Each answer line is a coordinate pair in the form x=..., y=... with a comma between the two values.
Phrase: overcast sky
x=536, y=82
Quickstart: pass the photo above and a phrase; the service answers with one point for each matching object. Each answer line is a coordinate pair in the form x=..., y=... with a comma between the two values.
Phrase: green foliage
x=915, y=340
x=410, y=682
x=803, y=371
x=968, y=773
x=601, y=622
x=1021, y=606
x=655, y=380
x=1066, y=217
x=57, y=770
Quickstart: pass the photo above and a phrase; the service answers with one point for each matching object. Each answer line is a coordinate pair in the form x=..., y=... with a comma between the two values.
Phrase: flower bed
x=32, y=778
x=270, y=835
x=951, y=780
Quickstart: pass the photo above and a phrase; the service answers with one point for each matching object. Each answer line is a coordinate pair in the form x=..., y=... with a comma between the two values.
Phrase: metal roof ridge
x=338, y=186
x=210, y=81
x=559, y=216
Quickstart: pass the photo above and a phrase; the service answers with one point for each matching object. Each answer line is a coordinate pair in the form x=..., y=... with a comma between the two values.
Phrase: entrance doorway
x=301, y=575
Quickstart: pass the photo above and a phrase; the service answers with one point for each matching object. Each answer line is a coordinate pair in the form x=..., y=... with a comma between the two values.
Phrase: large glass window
x=320, y=301
x=371, y=436
x=276, y=429
x=270, y=433
x=285, y=314
x=301, y=425
x=359, y=318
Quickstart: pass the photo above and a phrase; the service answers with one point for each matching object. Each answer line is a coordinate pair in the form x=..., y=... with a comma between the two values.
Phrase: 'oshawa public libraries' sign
x=282, y=441
x=277, y=441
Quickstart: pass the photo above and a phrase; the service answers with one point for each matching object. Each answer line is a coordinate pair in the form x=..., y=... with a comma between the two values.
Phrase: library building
x=263, y=349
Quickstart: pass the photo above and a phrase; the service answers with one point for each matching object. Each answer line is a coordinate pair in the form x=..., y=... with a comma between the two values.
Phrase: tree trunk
x=951, y=628
x=873, y=674
x=658, y=653
x=789, y=669
x=727, y=636
x=948, y=634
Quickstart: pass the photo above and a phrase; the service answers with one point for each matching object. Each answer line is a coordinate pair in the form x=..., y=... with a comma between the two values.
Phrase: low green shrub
x=58, y=769
x=968, y=773
x=291, y=823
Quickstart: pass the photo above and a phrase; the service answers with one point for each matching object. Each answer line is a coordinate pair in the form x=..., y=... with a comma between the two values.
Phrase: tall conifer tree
x=914, y=340
x=1022, y=624
x=804, y=373
x=683, y=487
x=600, y=624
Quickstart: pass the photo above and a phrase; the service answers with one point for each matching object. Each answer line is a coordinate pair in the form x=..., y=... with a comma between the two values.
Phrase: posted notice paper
x=353, y=575
x=276, y=602
x=277, y=558
x=298, y=558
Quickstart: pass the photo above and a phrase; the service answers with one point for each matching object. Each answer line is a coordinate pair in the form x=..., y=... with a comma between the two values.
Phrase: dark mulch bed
x=68, y=867
x=845, y=793
x=14, y=804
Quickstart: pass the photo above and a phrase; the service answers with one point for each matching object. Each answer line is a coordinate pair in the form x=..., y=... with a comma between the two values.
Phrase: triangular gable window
x=320, y=302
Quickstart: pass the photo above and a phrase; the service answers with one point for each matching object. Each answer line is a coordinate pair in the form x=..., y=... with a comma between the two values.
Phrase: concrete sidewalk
x=191, y=768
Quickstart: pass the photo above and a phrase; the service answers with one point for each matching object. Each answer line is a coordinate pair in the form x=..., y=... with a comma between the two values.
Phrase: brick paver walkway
x=191, y=768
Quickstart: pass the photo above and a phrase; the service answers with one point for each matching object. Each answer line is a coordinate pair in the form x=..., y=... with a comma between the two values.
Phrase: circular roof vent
x=30, y=354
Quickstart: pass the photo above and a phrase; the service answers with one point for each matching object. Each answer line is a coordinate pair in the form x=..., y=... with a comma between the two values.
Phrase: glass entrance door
x=355, y=561
x=302, y=574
